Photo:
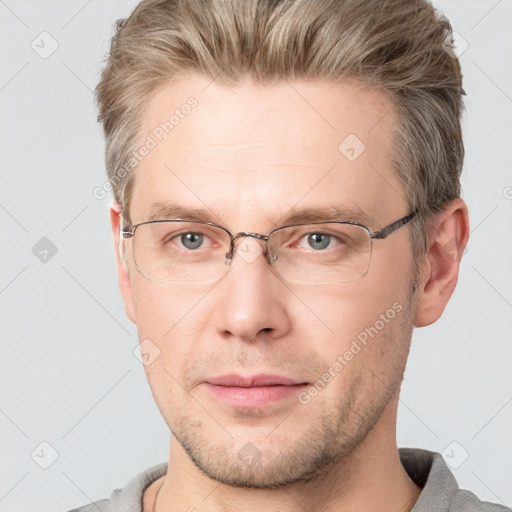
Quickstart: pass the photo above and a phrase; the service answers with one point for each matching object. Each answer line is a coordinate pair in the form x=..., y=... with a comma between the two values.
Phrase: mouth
x=255, y=391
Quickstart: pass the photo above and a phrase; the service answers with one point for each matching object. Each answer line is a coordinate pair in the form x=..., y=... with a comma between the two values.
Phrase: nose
x=251, y=297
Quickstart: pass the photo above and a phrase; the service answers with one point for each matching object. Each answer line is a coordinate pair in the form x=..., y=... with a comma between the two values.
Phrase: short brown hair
x=403, y=47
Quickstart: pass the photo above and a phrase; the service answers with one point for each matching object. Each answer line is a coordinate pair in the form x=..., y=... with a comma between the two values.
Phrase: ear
x=123, y=274
x=439, y=267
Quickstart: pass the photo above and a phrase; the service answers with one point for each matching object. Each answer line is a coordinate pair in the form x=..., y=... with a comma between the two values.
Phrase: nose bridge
x=245, y=234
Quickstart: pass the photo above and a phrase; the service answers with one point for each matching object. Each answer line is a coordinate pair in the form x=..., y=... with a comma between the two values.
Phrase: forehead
x=260, y=151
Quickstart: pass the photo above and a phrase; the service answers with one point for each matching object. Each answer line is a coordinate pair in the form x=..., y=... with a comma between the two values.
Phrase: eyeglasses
x=186, y=251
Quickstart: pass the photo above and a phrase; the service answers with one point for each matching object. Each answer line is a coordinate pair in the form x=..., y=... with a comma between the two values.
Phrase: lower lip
x=255, y=396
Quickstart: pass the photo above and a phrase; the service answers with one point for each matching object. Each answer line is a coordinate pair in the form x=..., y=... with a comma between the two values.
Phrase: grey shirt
x=427, y=469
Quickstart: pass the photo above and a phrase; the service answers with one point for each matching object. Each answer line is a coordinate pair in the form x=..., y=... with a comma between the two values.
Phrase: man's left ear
x=439, y=267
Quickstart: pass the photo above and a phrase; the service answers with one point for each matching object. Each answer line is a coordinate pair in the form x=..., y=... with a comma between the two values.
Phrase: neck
x=370, y=478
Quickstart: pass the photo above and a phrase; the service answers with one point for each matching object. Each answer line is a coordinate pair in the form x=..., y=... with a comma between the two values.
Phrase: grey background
x=68, y=373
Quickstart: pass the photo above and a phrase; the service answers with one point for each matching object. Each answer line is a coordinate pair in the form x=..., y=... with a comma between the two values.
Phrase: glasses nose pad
x=228, y=258
x=251, y=246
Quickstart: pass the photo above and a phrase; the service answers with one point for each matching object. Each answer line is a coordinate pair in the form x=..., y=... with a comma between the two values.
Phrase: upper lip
x=252, y=380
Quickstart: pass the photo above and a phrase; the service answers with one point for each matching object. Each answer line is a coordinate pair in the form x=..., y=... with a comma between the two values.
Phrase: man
x=286, y=181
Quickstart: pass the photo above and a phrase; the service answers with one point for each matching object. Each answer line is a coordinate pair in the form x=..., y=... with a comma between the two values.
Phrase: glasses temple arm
x=384, y=232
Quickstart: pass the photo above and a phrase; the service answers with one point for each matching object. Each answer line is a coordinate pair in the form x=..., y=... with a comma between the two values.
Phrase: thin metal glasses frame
x=129, y=232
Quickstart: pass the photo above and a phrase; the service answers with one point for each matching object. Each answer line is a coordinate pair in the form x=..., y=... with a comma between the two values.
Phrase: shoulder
x=440, y=491
x=466, y=501
x=97, y=506
x=129, y=498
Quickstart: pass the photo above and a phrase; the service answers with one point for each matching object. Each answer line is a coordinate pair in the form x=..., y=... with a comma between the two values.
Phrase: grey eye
x=319, y=241
x=191, y=240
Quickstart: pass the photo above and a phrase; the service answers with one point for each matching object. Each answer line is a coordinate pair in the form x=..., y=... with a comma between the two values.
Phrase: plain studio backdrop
x=76, y=414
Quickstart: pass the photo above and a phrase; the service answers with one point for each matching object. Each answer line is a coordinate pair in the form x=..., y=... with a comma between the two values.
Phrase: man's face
x=249, y=157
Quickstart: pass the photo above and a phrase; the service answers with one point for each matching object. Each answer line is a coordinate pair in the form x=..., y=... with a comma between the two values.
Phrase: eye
x=318, y=241
x=187, y=239
x=191, y=240
x=183, y=238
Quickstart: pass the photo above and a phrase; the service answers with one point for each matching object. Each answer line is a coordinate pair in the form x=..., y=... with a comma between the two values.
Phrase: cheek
x=170, y=321
x=340, y=313
x=366, y=357
x=166, y=325
x=162, y=307
x=362, y=336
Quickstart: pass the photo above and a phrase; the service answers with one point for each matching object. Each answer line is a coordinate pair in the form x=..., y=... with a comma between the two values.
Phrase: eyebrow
x=326, y=214
x=163, y=210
